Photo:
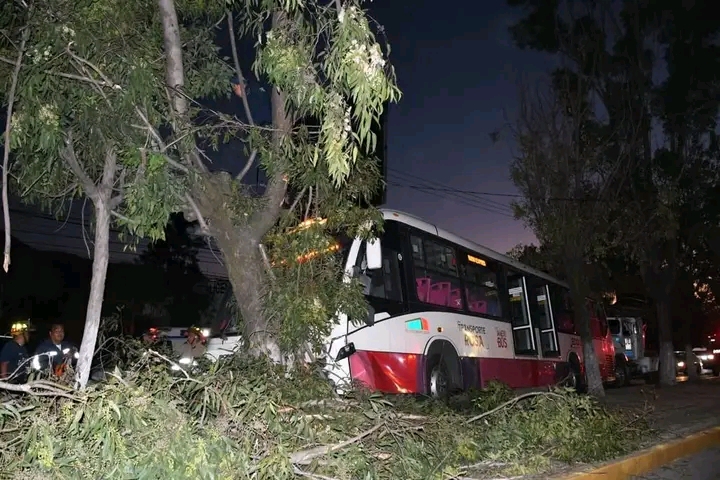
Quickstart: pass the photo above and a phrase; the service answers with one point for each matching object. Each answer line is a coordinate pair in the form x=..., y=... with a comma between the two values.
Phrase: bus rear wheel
x=622, y=373
x=576, y=379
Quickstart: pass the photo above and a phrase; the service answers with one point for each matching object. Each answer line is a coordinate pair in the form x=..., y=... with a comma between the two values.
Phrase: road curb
x=646, y=461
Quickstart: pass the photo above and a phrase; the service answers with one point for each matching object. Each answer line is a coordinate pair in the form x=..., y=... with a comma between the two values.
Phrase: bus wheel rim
x=620, y=374
x=438, y=382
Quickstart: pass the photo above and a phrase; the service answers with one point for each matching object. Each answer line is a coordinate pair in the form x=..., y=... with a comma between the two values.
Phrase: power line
x=202, y=251
x=79, y=250
x=437, y=187
x=407, y=180
x=471, y=192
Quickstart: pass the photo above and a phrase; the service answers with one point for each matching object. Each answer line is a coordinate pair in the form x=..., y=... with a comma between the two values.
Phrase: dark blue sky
x=459, y=75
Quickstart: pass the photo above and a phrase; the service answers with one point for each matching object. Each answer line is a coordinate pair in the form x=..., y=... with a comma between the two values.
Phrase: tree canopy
x=109, y=106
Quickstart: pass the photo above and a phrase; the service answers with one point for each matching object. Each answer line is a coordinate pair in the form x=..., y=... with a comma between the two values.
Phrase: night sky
x=459, y=75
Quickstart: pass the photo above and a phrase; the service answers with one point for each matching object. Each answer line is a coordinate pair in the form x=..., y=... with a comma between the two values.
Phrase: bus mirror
x=373, y=254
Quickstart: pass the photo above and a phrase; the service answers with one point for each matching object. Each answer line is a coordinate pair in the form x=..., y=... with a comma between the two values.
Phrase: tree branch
x=248, y=166
x=175, y=73
x=243, y=97
x=264, y=219
x=94, y=68
x=304, y=457
x=205, y=229
x=238, y=70
x=39, y=388
x=161, y=144
x=109, y=171
x=6, y=152
x=68, y=154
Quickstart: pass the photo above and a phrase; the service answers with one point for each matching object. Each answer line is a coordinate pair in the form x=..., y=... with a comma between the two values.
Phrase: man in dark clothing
x=14, y=355
x=55, y=352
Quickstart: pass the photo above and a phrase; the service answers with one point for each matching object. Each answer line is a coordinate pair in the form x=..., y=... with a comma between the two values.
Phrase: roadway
x=702, y=466
x=686, y=407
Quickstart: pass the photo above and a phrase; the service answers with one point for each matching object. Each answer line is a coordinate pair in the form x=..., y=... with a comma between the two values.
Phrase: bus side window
x=436, y=273
x=384, y=283
x=481, y=285
x=562, y=309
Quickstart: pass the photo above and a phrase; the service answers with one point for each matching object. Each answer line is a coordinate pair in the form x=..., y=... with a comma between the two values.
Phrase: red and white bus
x=447, y=314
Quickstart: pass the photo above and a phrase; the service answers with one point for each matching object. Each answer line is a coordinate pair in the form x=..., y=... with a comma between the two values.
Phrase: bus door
x=522, y=324
x=542, y=318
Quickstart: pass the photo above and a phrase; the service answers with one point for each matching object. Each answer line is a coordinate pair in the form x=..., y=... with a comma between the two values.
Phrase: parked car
x=681, y=367
x=709, y=362
x=704, y=362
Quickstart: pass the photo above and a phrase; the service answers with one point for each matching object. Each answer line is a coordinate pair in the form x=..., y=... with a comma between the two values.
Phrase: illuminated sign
x=477, y=261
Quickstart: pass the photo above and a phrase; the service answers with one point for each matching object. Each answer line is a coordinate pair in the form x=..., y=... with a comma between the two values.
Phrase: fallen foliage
x=243, y=419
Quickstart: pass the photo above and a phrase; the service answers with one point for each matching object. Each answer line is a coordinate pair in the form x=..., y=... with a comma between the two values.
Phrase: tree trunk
x=592, y=371
x=593, y=375
x=667, y=356
x=693, y=375
x=249, y=280
x=101, y=257
x=578, y=289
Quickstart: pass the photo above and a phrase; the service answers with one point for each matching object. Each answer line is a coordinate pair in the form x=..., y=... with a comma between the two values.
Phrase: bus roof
x=421, y=224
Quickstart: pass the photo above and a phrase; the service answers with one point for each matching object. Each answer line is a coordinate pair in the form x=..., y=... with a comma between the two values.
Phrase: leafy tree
x=561, y=171
x=537, y=257
x=86, y=81
x=655, y=200
x=108, y=106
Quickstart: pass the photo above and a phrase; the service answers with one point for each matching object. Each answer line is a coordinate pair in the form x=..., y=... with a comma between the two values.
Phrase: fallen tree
x=250, y=419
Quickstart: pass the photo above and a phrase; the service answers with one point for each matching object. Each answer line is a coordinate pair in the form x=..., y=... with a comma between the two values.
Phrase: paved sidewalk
x=672, y=413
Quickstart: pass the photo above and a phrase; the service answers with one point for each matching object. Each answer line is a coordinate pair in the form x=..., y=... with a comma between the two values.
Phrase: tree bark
x=593, y=375
x=667, y=356
x=101, y=257
x=249, y=282
x=100, y=195
x=578, y=291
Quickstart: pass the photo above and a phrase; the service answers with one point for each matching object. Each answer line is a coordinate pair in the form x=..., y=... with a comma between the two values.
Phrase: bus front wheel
x=438, y=379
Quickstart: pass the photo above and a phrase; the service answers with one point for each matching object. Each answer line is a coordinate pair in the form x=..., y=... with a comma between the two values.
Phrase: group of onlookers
x=52, y=355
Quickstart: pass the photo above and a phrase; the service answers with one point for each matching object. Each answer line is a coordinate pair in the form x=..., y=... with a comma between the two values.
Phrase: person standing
x=55, y=353
x=14, y=355
x=194, y=347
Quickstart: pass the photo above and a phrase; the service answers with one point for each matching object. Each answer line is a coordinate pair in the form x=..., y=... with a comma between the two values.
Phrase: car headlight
x=205, y=332
x=681, y=364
